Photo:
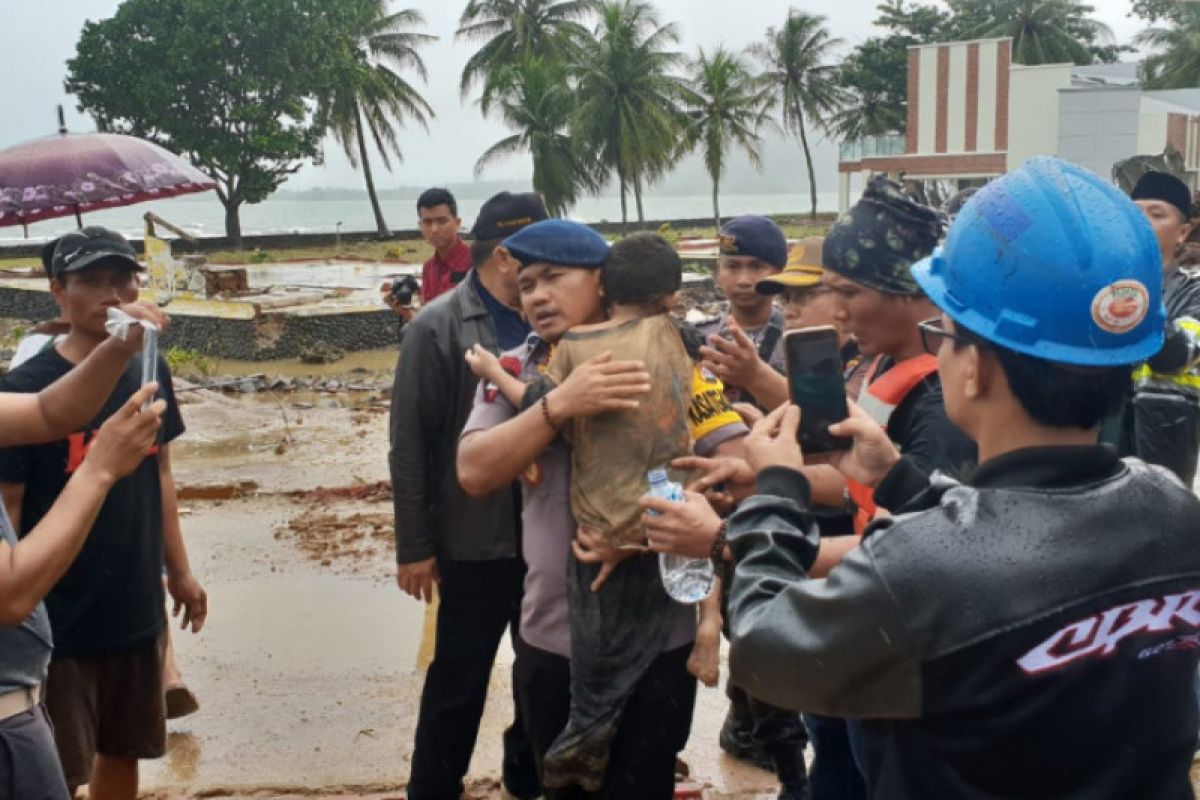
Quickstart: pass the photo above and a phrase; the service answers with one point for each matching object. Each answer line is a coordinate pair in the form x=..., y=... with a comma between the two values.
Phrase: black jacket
x=1033, y=634
x=431, y=399
x=1161, y=422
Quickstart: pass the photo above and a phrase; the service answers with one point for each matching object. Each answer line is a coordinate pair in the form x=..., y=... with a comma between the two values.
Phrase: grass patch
x=182, y=360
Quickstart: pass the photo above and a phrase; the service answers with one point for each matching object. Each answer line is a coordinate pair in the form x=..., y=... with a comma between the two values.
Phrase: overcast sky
x=42, y=36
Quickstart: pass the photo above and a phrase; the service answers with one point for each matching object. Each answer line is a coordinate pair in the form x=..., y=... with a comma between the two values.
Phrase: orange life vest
x=879, y=398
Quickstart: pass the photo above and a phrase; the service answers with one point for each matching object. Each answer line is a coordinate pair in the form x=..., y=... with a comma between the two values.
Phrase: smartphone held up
x=817, y=386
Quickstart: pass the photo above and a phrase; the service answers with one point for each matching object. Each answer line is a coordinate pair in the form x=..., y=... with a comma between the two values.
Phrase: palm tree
x=629, y=100
x=726, y=108
x=1175, y=62
x=1043, y=31
x=372, y=97
x=536, y=99
x=513, y=31
x=796, y=58
x=866, y=112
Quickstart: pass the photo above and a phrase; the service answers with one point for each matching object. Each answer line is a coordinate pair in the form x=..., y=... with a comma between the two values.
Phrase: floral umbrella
x=73, y=173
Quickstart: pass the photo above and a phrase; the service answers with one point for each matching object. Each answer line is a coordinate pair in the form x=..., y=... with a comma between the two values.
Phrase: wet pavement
x=307, y=669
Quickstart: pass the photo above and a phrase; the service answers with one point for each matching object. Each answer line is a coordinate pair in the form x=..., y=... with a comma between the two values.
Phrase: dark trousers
x=777, y=734
x=835, y=774
x=479, y=600
x=615, y=636
x=653, y=729
x=29, y=768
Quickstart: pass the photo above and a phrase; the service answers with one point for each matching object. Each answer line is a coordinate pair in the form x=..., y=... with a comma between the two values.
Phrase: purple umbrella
x=67, y=173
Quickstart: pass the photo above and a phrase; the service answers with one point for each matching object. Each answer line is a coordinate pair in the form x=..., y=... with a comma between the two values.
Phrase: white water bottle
x=687, y=580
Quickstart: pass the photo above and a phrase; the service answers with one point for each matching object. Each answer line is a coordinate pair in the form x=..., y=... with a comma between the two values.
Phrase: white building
x=972, y=115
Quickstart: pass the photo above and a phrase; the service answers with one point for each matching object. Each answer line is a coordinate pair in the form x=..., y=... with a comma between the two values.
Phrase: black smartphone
x=815, y=382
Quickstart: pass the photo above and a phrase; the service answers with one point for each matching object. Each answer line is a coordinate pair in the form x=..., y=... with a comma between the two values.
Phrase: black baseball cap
x=506, y=213
x=87, y=246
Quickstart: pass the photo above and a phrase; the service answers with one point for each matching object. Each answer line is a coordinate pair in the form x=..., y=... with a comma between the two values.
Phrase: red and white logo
x=1119, y=307
x=1097, y=636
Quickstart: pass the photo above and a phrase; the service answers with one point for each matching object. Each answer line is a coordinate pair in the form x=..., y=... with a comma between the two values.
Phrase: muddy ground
x=307, y=672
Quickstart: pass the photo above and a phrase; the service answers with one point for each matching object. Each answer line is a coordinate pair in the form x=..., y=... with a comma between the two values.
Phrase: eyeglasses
x=801, y=295
x=934, y=333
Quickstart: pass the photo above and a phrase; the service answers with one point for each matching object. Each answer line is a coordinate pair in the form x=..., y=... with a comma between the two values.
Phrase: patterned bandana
x=881, y=237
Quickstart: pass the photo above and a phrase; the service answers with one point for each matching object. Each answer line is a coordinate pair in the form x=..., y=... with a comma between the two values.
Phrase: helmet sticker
x=1119, y=307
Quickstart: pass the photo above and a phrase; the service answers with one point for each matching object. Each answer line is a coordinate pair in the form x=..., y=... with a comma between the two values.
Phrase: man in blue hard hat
x=1161, y=422
x=974, y=630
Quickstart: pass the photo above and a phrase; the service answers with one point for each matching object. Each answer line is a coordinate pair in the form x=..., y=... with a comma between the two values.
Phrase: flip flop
x=180, y=701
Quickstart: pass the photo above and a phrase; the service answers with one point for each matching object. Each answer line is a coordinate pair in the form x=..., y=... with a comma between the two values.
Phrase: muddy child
x=616, y=630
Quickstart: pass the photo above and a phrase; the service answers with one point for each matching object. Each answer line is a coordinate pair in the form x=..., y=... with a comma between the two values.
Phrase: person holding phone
x=751, y=249
x=868, y=256
x=974, y=630
x=805, y=302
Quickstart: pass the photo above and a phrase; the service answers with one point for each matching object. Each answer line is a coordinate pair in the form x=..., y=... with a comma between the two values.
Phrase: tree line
x=595, y=92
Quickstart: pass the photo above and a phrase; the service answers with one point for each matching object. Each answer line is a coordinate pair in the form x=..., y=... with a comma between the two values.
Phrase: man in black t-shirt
x=104, y=690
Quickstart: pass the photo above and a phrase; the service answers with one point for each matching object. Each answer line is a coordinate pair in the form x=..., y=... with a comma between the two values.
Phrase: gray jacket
x=431, y=399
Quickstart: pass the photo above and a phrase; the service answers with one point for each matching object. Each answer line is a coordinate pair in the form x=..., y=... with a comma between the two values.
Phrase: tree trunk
x=716, y=204
x=637, y=198
x=624, y=205
x=812, y=178
x=233, y=224
x=381, y=228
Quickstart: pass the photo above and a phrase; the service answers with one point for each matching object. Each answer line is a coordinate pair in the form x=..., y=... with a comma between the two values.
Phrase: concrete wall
x=1152, y=132
x=958, y=97
x=1098, y=127
x=270, y=336
x=1033, y=120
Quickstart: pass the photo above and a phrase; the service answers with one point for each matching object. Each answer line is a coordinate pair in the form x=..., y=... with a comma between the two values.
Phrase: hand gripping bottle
x=687, y=580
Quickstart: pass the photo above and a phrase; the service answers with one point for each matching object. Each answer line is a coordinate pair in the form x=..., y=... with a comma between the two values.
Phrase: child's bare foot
x=705, y=661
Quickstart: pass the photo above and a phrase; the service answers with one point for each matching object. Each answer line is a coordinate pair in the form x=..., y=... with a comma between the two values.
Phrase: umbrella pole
x=78, y=217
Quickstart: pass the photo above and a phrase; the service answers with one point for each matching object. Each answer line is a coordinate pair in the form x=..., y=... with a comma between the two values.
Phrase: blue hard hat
x=1052, y=262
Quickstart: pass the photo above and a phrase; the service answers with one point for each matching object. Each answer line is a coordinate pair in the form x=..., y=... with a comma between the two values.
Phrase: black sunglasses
x=934, y=333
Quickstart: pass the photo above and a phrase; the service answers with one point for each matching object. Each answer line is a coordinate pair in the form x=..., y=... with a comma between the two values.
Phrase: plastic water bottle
x=687, y=580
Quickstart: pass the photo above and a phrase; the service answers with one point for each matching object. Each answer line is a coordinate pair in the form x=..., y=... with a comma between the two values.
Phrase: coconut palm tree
x=1043, y=31
x=1175, y=60
x=726, y=108
x=796, y=57
x=372, y=96
x=513, y=31
x=629, y=97
x=536, y=100
x=867, y=112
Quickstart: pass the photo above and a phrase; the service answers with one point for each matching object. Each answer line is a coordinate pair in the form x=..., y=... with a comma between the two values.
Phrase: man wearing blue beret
x=467, y=546
x=560, y=283
x=751, y=248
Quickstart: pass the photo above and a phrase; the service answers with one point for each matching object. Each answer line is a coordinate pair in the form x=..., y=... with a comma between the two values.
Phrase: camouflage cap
x=879, y=239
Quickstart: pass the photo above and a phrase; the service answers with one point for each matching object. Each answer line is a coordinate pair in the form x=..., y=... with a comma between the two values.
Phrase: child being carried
x=619, y=630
